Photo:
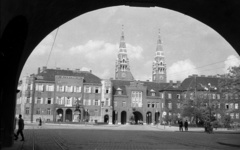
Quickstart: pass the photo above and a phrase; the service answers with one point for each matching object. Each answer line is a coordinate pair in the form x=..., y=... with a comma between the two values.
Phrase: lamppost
x=208, y=89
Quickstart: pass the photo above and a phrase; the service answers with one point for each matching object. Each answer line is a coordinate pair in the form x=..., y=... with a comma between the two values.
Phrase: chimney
x=44, y=68
x=57, y=68
x=77, y=69
x=39, y=70
x=178, y=83
x=67, y=68
x=203, y=76
x=171, y=82
x=90, y=71
x=195, y=75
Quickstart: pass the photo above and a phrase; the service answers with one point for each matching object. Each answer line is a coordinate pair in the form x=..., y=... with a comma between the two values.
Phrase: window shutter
x=31, y=86
x=98, y=102
x=90, y=90
x=30, y=99
x=89, y=102
x=74, y=89
x=57, y=100
x=35, y=100
x=57, y=88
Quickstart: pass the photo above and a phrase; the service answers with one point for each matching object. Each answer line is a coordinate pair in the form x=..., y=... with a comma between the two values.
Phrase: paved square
x=106, y=137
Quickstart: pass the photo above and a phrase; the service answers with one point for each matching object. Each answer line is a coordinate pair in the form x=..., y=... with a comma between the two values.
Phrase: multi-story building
x=61, y=95
x=206, y=91
x=106, y=102
x=75, y=96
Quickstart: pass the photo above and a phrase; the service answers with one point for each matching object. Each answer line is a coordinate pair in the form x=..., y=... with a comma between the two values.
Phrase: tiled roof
x=49, y=75
x=150, y=86
x=199, y=82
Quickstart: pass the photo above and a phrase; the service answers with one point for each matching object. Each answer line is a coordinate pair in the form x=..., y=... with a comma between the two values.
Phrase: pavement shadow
x=227, y=144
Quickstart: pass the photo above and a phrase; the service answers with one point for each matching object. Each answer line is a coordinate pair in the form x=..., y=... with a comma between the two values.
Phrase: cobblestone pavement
x=121, y=137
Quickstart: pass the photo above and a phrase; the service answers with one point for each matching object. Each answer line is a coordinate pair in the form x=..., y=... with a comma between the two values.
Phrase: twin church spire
x=123, y=72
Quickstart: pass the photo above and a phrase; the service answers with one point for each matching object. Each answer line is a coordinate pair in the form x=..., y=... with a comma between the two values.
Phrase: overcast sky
x=91, y=41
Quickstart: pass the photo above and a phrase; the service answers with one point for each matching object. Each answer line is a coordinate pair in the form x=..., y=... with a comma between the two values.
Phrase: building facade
x=79, y=96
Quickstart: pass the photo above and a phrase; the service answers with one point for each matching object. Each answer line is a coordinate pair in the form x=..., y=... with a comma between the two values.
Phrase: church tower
x=122, y=71
x=159, y=74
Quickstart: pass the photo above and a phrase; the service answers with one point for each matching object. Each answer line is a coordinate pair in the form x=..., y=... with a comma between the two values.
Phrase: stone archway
x=221, y=16
x=106, y=118
x=137, y=117
x=68, y=115
x=148, y=117
x=157, y=117
x=123, y=117
x=59, y=117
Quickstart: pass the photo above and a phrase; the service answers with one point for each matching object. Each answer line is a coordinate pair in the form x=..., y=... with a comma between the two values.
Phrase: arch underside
x=25, y=23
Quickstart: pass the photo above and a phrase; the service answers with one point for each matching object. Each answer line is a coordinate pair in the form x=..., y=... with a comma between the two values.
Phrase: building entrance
x=137, y=117
x=123, y=117
x=106, y=119
x=157, y=117
x=68, y=115
x=149, y=118
x=59, y=117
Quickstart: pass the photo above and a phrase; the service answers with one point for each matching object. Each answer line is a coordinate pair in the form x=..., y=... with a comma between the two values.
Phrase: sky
x=91, y=41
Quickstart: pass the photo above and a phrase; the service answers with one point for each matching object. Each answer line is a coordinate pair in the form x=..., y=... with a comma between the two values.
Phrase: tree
x=230, y=83
x=230, y=87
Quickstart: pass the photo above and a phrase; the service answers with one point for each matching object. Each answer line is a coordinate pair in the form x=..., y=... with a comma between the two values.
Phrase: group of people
x=180, y=123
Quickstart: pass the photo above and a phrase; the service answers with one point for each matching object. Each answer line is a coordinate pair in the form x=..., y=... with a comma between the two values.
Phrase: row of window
x=70, y=89
x=38, y=111
x=232, y=115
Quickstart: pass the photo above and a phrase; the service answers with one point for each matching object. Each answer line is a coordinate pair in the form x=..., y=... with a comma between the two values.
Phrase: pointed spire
x=159, y=42
x=122, y=42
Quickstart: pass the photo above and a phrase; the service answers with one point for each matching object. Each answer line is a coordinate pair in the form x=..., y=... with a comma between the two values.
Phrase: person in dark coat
x=40, y=122
x=186, y=125
x=20, y=128
x=180, y=123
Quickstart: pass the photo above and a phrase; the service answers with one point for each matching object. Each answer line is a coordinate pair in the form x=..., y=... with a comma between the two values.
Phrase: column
x=119, y=117
x=82, y=111
x=64, y=114
x=153, y=118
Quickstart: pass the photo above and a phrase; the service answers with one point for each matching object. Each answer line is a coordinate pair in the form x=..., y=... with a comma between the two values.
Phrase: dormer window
x=152, y=92
x=119, y=91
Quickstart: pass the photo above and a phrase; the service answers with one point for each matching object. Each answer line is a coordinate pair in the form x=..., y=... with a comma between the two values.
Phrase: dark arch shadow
x=23, y=33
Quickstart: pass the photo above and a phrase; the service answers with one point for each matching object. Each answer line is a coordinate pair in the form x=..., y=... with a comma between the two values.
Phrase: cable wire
x=52, y=46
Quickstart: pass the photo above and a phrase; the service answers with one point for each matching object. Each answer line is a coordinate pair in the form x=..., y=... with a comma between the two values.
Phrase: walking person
x=20, y=128
x=180, y=123
x=40, y=122
x=186, y=125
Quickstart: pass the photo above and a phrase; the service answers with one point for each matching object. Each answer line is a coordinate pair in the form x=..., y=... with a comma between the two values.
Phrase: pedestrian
x=40, y=122
x=186, y=125
x=20, y=128
x=180, y=123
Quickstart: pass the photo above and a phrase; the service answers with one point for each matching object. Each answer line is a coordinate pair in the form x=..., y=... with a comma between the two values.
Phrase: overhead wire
x=52, y=46
x=180, y=72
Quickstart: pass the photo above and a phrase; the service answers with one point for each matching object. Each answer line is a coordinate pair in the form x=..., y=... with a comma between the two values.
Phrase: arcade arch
x=14, y=54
